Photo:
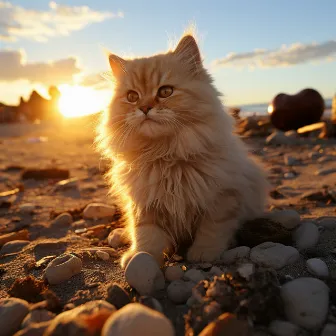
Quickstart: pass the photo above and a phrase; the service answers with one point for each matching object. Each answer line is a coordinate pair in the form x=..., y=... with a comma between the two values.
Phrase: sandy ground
x=69, y=146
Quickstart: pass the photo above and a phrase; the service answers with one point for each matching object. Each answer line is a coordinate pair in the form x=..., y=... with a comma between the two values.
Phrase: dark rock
x=291, y=112
x=275, y=194
x=117, y=296
x=45, y=173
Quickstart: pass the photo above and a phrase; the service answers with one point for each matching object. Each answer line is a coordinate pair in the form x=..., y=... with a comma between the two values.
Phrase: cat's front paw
x=204, y=254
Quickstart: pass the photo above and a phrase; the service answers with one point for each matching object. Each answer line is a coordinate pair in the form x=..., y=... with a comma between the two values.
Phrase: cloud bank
x=40, y=25
x=285, y=56
x=13, y=67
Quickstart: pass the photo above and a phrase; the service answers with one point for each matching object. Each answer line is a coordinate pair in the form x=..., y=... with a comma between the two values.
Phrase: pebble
x=215, y=270
x=18, y=235
x=180, y=291
x=151, y=302
x=289, y=176
x=12, y=313
x=327, y=171
x=235, y=254
x=35, y=329
x=314, y=155
x=64, y=219
x=329, y=330
x=66, y=184
x=290, y=219
x=14, y=246
x=194, y=275
x=103, y=255
x=317, y=267
x=117, y=238
x=306, y=236
x=137, y=319
x=144, y=274
x=174, y=273
x=328, y=222
x=279, y=138
x=306, y=302
x=324, y=159
x=27, y=208
x=37, y=316
x=80, y=224
x=291, y=160
x=117, y=296
x=98, y=211
x=283, y=328
x=63, y=268
x=227, y=324
x=274, y=255
x=246, y=270
x=88, y=316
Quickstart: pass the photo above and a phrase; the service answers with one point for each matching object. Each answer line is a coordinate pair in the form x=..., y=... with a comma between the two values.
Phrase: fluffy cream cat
x=178, y=169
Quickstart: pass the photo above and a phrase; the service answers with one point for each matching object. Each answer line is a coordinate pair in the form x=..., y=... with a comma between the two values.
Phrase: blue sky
x=223, y=27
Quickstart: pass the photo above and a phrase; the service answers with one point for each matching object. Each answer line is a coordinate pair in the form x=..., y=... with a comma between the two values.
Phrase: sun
x=77, y=101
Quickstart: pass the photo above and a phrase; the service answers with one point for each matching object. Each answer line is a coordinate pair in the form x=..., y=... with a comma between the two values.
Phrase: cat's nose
x=145, y=109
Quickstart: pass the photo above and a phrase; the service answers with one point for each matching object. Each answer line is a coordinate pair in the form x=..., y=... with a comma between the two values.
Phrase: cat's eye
x=132, y=96
x=165, y=91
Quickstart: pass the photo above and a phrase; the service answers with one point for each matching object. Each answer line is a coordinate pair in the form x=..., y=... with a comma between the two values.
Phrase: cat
x=178, y=169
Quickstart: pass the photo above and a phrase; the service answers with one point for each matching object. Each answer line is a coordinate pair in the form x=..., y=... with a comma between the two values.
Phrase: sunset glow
x=77, y=101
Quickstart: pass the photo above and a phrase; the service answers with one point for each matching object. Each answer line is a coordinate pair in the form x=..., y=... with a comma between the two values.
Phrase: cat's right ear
x=117, y=64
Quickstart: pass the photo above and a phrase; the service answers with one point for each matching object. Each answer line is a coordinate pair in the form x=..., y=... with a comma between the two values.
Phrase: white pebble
x=137, y=319
x=306, y=236
x=246, y=270
x=63, y=268
x=180, y=291
x=235, y=254
x=289, y=219
x=117, y=238
x=27, y=208
x=102, y=255
x=317, y=267
x=329, y=330
x=283, y=328
x=194, y=275
x=144, y=274
x=64, y=219
x=274, y=255
x=306, y=302
x=174, y=273
x=66, y=184
x=99, y=210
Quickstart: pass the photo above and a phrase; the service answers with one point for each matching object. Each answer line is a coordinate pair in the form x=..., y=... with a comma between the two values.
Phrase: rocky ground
x=61, y=238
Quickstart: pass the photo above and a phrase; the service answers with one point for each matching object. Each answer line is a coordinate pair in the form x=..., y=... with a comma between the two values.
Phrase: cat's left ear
x=187, y=50
x=118, y=65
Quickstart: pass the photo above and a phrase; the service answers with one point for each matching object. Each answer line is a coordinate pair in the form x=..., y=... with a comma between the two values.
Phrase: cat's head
x=159, y=96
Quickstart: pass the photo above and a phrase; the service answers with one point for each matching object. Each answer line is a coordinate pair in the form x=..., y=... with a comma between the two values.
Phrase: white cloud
x=19, y=22
x=13, y=67
x=297, y=53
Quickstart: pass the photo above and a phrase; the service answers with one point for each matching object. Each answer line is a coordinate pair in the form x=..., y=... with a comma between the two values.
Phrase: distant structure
x=35, y=108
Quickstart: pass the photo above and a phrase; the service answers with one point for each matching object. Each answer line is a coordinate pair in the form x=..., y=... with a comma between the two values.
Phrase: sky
x=253, y=48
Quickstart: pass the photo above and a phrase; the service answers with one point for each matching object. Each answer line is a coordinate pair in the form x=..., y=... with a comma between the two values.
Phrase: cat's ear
x=118, y=65
x=187, y=50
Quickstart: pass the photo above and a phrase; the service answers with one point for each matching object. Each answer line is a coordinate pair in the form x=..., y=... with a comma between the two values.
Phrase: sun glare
x=77, y=101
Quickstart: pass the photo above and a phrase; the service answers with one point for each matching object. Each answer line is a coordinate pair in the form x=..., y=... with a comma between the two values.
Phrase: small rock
x=137, y=319
x=328, y=222
x=102, y=255
x=117, y=238
x=18, y=235
x=246, y=270
x=314, y=155
x=205, y=266
x=66, y=184
x=64, y=219
x=283, y=328
x=37, y=316
x=329, y=330
x=306, y=302
x=291, y=160
x=27, y=208
x=227, y=324
x=235, y=254
x=144, y=274
x=12, y=313
x=174, y=273
x=117, y=296
x=325, y=159
x=306, y=236
x=63, y=268
x=35, y=329
x=151, y=302
x=317, y=267
x=194, y=275
x=80, y=224
x=44, y=261
x=216, y=271
x=14, y=246
x=180, y=291
x=327, y=171
x=290, y=219
x=289, y=176
x=86, y=319
x=274, y=255
x=98, y=210
x=45, y=173
x=279, y=138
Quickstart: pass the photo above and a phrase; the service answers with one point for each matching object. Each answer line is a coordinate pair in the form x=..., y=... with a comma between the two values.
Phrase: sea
x=261, y=109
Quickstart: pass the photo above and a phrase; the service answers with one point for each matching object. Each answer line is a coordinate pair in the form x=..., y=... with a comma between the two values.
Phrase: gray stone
x=289, y=219
x=329, y=330
x=14, y=246
x=194, y=275
x=180, y=291
x=235, y=254
x=173, y=273
x=306, y=236
x=327, y=222
x=317, y=267
x=283, y=328
x=246, y=270
x=291, y=160
x=64, y=219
